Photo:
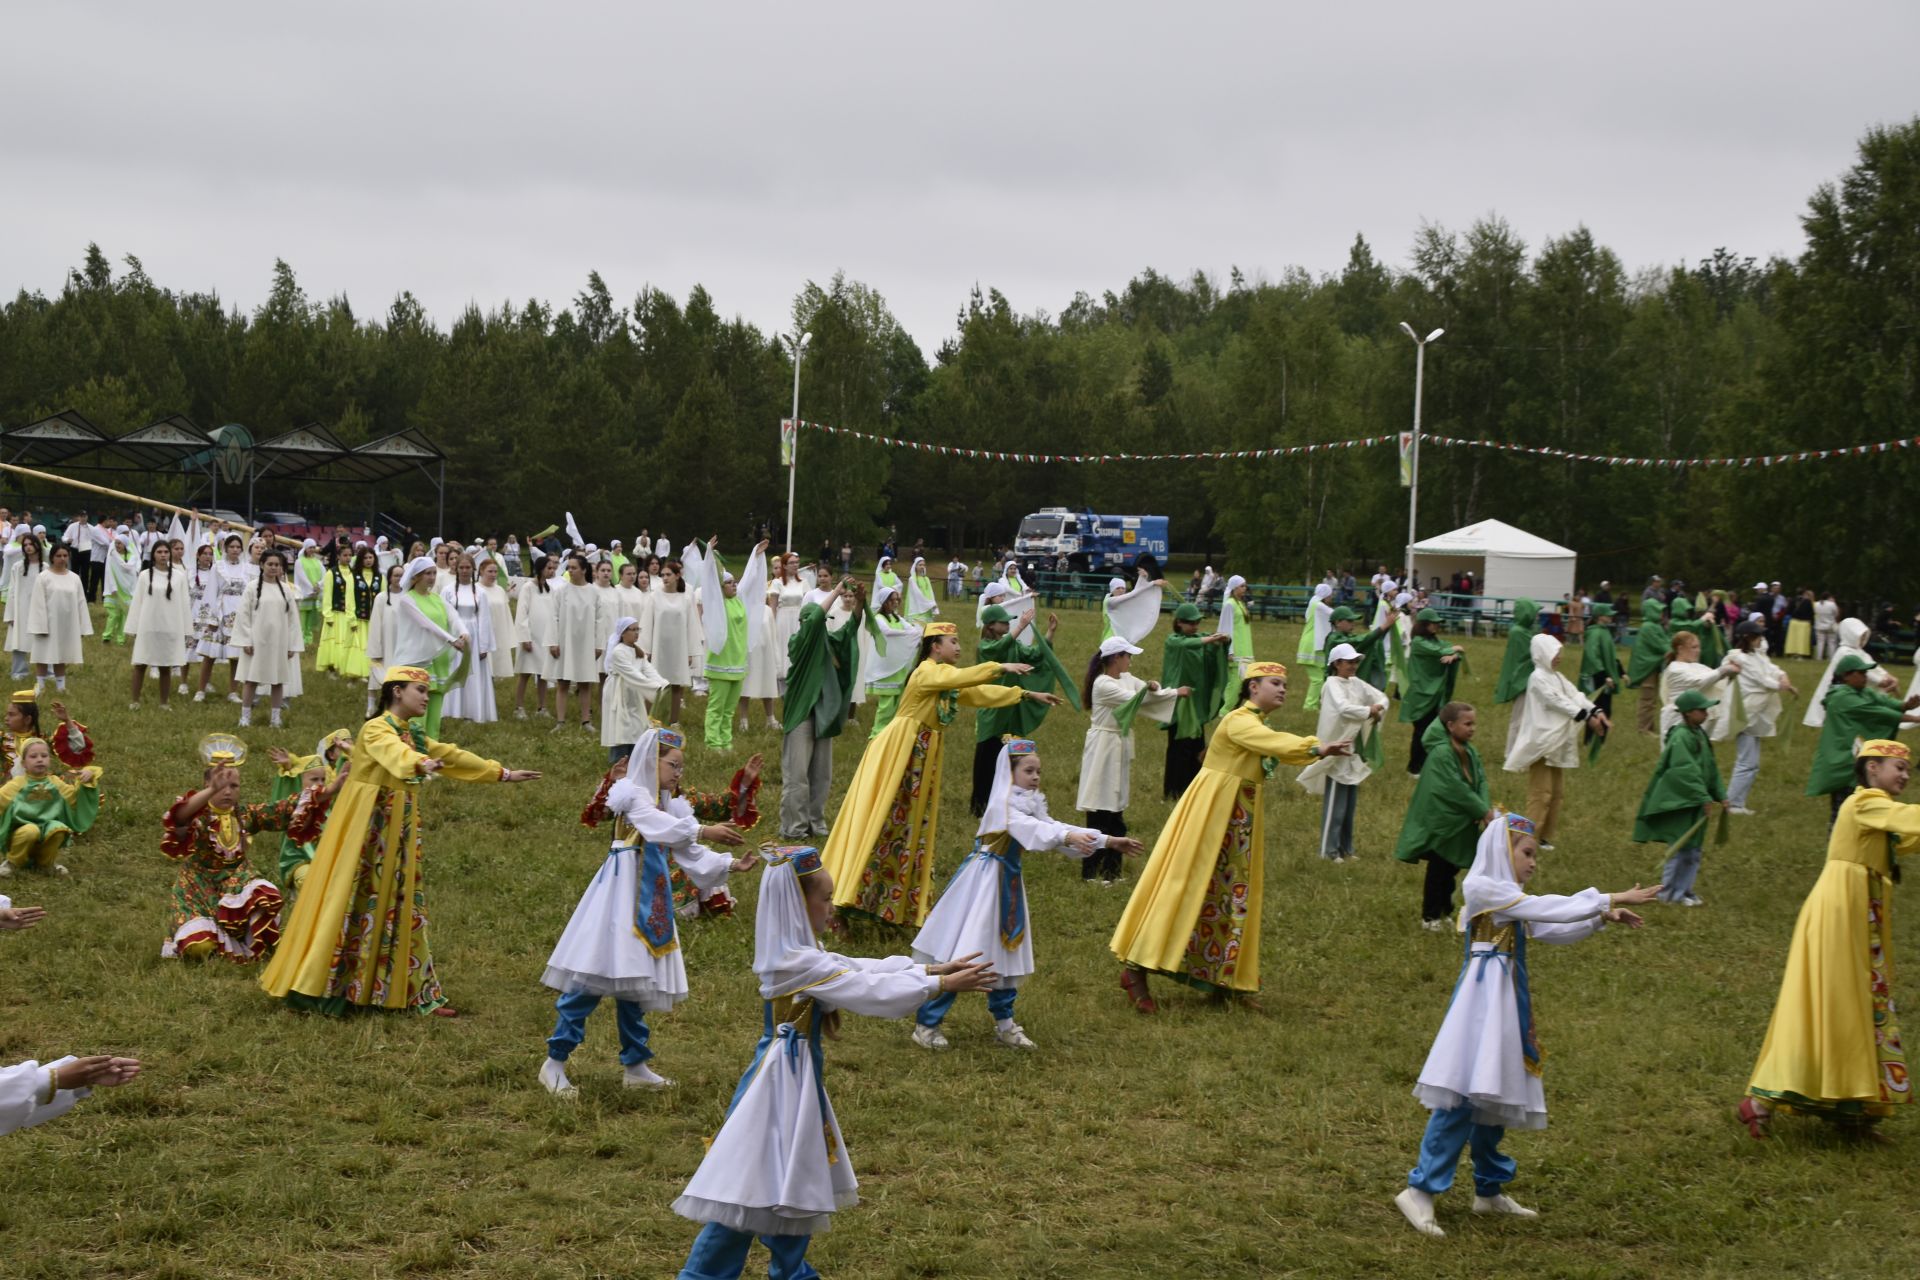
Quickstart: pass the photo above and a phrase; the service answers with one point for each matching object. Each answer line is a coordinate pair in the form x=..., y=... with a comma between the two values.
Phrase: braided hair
x=259, y=584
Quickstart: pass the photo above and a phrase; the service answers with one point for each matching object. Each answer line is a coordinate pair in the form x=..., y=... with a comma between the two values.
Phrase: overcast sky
x=485, y=152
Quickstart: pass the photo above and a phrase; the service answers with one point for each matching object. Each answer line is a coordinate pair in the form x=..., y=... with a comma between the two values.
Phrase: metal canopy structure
x=176, y=444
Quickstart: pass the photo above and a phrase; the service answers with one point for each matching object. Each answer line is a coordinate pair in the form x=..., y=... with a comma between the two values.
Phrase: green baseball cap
x=994, y=613
x=1694, y=700
x=1187, y=612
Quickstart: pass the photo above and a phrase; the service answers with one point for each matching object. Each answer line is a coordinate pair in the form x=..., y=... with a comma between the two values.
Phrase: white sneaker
x=246, y=717
x=1691, y=901
x=1545, y=847
x=133, y=706
x=928, y=1037
x=1441, y=925
x=642, y=1076
x=1502, y=1203
x=199, y=695
x=274, y=722
x=233, y=697
x=1014, y=1037
x=6, y=869
x=553, y=1078
x=59, y=868
x=1417, y=1207
x=182, y=690
x=1741, y=811
x=520, y=713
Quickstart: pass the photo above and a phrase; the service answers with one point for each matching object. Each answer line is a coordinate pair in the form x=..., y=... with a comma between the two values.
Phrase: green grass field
x=1205, y=1142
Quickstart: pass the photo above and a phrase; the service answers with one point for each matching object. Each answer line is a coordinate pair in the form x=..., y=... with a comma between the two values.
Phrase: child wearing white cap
x=1114, y=696
x=1350, y=710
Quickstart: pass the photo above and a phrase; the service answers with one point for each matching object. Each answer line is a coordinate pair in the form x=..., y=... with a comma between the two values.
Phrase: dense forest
x=661, y=412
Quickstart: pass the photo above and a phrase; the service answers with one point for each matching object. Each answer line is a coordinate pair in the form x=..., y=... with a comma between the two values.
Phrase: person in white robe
x=1351, y=710
x=379, y=625
x=792, y=587
x=1757, y=690
x=623, y=939
x=57, y=621
x=627, y=693
x=500, y=610
x=1548, y=744
x=1115, y=698
x=1482, y=1075
x=676, y=635
x=423, y=632
x=33, y=1092
x=471, y=699
x=576, y=643
x=268, y=634
x=221, y=589
x=26, y=561
x=534, y=621
x=606, y=604
x=983, y=910
x=1685, y=671
x=922, y=607
x=632, y=600
x=159, y=615
x=1854, y=636
x=779, y=1168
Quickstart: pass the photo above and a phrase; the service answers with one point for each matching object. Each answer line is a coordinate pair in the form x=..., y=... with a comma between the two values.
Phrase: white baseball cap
x=1117, y=644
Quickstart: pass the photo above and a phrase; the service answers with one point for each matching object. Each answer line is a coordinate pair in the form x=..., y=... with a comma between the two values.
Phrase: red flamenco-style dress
x=219, y=904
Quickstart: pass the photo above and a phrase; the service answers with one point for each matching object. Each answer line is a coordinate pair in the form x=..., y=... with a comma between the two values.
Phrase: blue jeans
x=720, y=1253
x=1447, y=1133
x=1682, y=869
x=571, y=1029
x=999, y=1004
x=1337, y=804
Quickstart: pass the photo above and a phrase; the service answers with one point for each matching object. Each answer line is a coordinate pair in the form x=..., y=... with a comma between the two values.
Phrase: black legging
x=1103, y=864
x=1436, y=898
x=985, y=756
x=1417, y=753
x=1183, y=764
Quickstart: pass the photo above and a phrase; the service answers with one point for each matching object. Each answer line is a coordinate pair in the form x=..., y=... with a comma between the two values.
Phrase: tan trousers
x=1544, y=790
x=1650, y=705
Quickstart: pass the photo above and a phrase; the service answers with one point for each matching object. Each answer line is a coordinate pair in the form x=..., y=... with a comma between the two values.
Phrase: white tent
x=1505, y=562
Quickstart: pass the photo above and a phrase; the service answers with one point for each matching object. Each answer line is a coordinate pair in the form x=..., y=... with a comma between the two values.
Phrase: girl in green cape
x=1450, y=807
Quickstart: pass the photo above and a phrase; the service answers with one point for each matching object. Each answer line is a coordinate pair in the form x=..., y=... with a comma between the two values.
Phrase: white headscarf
x=1490, y=885
x=1005, y=796
x=413, y=570
x=620, y=626
x=1116, y=584
x=1226, y=605
x=786, y=956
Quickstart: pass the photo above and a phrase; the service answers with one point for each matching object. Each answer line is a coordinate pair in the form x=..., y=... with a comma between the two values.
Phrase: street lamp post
x=1419, y=381
x=797, y=344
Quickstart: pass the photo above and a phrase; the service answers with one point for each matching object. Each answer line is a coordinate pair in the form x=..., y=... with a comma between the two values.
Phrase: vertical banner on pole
x=786, y=442
x=1406, y=459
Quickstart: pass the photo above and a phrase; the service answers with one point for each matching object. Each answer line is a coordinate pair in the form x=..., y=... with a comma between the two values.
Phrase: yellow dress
x=1195, y=913
x=880, y=851
x=357, y=934
x=1833, y=1046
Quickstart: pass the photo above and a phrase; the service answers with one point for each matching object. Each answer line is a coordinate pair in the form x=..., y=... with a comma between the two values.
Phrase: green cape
x=1684, y=779
x=1206, y=669
x=822, y=669
x=1444, y=814
x=1599, y=660
x=1650, y=645
x=1863, y=714
x=1516, y=665
x=1426, y=684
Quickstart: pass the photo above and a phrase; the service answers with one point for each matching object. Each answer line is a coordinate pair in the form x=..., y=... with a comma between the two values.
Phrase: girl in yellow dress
x=880, y=851
x=1833, y=1047
x=358, y=931
x=1195, y=912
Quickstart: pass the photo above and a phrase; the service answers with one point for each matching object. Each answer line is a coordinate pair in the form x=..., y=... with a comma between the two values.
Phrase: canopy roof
x=310, y=452
x=1494, y=538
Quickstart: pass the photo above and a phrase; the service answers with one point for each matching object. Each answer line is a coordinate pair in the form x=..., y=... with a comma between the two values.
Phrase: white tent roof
x=1492, y=537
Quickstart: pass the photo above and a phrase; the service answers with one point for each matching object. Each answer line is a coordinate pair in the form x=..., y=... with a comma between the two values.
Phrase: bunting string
x=1366, y=442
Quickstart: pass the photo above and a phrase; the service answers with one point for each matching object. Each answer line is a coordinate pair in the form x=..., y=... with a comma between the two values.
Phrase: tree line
x=661, y=412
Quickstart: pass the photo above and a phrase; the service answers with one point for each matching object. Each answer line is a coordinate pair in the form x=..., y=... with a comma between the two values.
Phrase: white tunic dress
x=767, y=659
x=1106, y=761
x=1479, y=1057
x=1554, y=711
x=968, y=916
x=779, y=1165
x=57, y=619
x=632, y=602
x=786, y=620
x=505, y=634
x=533, y=625
x=472, y=698
x=220, y=590
x=269, y=623
x=602, y=951
x=377, y=639
x=20, y=579
x=1682, y=676
x=159, y=615
x=576, y=621
x=626, y=697
x=675, y=637
x=1759, y=684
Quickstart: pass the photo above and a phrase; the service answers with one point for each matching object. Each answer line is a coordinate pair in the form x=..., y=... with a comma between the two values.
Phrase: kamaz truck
x=1090, y=542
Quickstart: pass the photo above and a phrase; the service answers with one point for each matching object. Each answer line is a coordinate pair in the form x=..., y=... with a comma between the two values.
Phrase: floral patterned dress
x=219, y=903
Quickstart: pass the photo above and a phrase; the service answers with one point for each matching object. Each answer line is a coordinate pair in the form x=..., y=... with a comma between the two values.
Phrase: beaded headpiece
x=1019, y=746
x=1259, y=669
x=1519, y=824
x=670, y=739
x=804, y=857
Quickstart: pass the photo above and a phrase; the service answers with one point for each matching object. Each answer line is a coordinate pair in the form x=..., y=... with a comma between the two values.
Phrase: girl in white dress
x=506, y=645
x=779, y=1168
x=1350, y=711
x=268, y=634
x=766, y=660
x=533, y=622
x=221, y=588
x=159, y=615
x=576, y=643
x=1482, y=1076
x=22, y=570
x=1114, y=696
x=606, y=608
x=792, y=590
x=630, y=595
x=56, y=620
x=379, y=624
x=627, y=694
x=983, y=910
x=1548, y=743
x=675, y=635
x=623, y=940
x=921, y=605
x=472, y=698
x=1685, y=671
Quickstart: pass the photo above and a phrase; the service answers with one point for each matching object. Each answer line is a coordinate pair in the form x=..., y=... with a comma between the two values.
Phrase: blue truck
x=1090, y=542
